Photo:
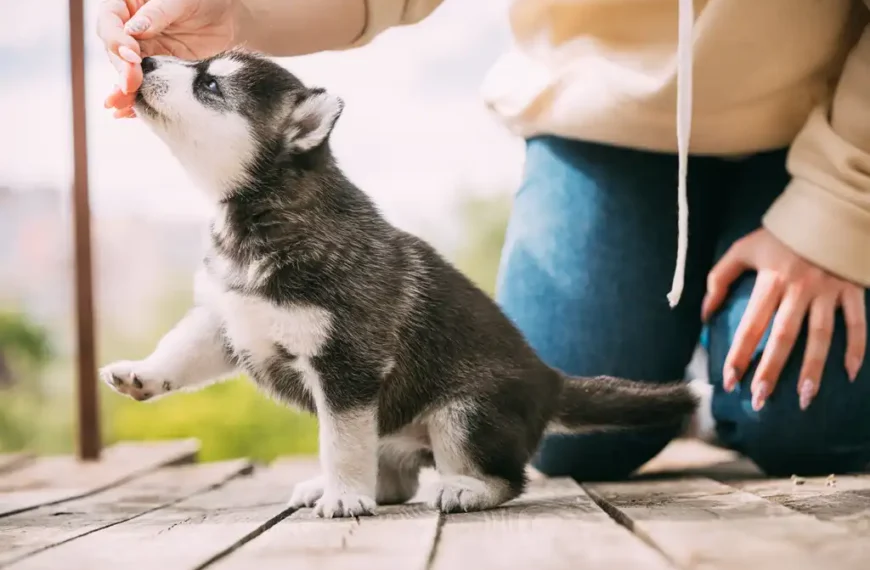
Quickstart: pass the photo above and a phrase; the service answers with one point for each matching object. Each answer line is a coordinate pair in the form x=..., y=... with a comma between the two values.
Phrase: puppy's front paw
x=343, y=503
x=129, y=378
x=306, y=493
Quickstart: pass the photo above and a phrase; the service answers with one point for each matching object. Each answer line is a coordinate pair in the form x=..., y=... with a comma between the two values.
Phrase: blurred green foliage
x=485, y=221
x=22, y=339
x=231, y=419
x=25, y=349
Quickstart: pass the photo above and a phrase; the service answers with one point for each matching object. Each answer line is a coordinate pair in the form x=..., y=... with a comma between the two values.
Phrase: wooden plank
x=397, y=538
x=555, y=525
x=845, y=499
x=50, y=480
x=687, y=454
x=188, y=534
x=700, y=523
x=39, y=529
x=12, y=461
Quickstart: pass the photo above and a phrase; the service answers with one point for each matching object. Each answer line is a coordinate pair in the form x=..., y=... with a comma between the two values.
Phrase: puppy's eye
x=211, y=85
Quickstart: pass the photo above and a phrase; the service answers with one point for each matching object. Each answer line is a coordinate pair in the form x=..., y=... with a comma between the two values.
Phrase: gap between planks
x=37, y=530
x=186, y=534
x=51, y=480
x=695, y=523
x=843, y=499
x=11, y=461
x=700, y=523
x=242, y=524
x=554, y=525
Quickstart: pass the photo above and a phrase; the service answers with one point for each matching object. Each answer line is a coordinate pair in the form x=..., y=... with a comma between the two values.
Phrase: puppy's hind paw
x=459, y=494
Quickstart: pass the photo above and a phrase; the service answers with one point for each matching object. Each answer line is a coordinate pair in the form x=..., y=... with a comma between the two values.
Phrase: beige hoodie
x=752, y=75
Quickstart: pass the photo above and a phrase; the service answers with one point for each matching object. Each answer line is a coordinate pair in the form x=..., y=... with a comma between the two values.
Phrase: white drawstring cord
x=684, y=129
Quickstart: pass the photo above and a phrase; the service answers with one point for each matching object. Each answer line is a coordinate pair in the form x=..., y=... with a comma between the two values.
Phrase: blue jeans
x=588, y=260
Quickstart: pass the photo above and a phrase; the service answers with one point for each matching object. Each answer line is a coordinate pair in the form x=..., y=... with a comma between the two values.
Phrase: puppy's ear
x=311, y=119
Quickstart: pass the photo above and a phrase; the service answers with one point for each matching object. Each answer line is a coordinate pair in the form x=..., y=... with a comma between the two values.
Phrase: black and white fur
x=325, y=305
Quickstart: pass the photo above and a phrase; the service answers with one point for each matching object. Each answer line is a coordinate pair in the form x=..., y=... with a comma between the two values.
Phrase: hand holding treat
x=133, y=29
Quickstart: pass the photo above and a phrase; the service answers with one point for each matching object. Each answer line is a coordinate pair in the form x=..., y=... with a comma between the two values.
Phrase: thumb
x=154, y=17
x=732, y=265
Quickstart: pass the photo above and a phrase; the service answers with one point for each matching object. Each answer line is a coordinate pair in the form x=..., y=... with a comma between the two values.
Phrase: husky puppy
x=308, y=290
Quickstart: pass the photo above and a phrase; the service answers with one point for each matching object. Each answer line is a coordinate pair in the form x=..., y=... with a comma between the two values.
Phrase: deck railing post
x=88, y=407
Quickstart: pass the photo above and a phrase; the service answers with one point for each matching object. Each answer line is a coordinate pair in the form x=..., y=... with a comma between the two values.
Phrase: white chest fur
x=254, y=327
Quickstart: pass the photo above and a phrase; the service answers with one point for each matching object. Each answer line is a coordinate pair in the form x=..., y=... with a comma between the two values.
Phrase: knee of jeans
x=782, y=444
x=832, y=435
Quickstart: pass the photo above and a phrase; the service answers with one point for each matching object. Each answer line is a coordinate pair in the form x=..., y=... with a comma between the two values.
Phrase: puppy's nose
x=149, y=64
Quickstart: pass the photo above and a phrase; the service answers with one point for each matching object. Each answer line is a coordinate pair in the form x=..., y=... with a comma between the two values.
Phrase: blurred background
x=414, y=135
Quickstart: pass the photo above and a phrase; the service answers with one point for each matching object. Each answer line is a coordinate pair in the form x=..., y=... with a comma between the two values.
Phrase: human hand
x=133, y=29
x=787, y=287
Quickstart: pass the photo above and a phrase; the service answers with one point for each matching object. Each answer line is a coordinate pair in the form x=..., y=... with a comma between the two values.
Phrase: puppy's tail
x=606, y=403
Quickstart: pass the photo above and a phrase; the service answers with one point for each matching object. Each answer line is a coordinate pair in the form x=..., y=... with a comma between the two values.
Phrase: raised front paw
x=343, y=503
x=131, y=379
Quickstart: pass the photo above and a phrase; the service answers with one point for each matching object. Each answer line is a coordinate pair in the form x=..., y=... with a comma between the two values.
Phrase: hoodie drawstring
x=684, y=128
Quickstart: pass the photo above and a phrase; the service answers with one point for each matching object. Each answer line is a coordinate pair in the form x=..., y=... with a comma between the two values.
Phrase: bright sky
x=413, y=135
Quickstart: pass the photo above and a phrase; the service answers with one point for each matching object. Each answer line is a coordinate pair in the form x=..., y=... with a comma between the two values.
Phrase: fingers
x=762, y=303
x=124, y=51
x=122, y=48
x=783, y=334
x=134, y=79
x=724, y=273
x=155, y=16
x=820, y=330
x=110, y=20
x=130, y=76
x=128, y=55
x=855, y=313
x=116, y=26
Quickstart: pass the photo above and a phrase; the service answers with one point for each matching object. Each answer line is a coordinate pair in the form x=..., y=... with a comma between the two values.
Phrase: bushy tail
x=604, y=402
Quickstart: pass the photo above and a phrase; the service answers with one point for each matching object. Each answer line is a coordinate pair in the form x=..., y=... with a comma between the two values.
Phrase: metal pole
x=88, y=407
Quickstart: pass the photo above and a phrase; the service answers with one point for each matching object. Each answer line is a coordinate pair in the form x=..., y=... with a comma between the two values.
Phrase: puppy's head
x=219, y=115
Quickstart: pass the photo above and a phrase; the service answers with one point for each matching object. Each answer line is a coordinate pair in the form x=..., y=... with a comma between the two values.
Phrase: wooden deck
x=151, y=506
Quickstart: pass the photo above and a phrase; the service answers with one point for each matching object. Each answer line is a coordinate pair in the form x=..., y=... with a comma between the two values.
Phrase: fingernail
x=760, y=394
x=806, y=393
x=129, y=55
x=730, y=380
x=853, y=365
x=137, y=25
